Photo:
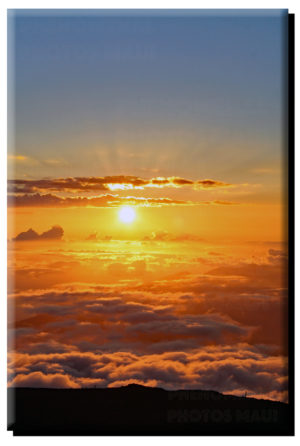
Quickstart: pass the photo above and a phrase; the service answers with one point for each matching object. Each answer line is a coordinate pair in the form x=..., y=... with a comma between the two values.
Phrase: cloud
x=233, y=369
x=107, y=200
x=39, y=379
x=128, y=323
x=116, y=182
x=56, y=192
x=24, y=159
x=92, y=236
x=17, y=158
x=163, y=318
x=211, y=184
x=49, y=200
x=165, y=236
x=223, y=202
x=278, y=256
x=160, y=236
x=55, y=233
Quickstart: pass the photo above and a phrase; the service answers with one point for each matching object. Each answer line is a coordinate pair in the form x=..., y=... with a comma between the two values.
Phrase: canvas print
x=148, y=238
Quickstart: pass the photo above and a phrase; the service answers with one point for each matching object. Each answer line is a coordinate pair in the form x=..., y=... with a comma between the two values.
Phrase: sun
x=127, y=214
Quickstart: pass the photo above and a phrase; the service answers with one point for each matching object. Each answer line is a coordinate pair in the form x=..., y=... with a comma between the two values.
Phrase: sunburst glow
x=127, y=214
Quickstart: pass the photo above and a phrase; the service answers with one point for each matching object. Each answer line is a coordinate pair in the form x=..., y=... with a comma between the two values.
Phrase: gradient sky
x=179, y=115
x=154, y=86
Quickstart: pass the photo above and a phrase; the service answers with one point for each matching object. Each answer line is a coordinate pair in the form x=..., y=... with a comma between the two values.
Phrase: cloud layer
x=228, y=370
x=156, y=320
x=108, y=183
x=107, y=200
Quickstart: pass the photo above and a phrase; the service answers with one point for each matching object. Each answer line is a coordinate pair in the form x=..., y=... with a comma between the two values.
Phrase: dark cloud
x=92, y=184
x=182, y=182
x=223, y=202
x=107, y=200
x=133, y=324
x=209, y=184
x=55, y=233
x=60, y=184
x=49, y=200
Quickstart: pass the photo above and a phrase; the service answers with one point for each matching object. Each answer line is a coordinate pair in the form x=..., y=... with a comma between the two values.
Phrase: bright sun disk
x=127, y=214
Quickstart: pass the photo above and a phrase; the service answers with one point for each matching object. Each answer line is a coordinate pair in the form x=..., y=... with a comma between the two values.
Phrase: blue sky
x=161, y=88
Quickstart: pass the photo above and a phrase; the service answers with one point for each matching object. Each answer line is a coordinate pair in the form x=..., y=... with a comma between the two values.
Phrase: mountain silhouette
x=139, y=410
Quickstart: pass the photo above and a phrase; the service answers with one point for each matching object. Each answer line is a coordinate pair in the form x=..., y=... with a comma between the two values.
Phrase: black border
x=291, y=219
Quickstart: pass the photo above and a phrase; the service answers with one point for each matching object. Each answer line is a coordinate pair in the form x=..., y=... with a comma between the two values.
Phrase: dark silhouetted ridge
x=136, y=409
